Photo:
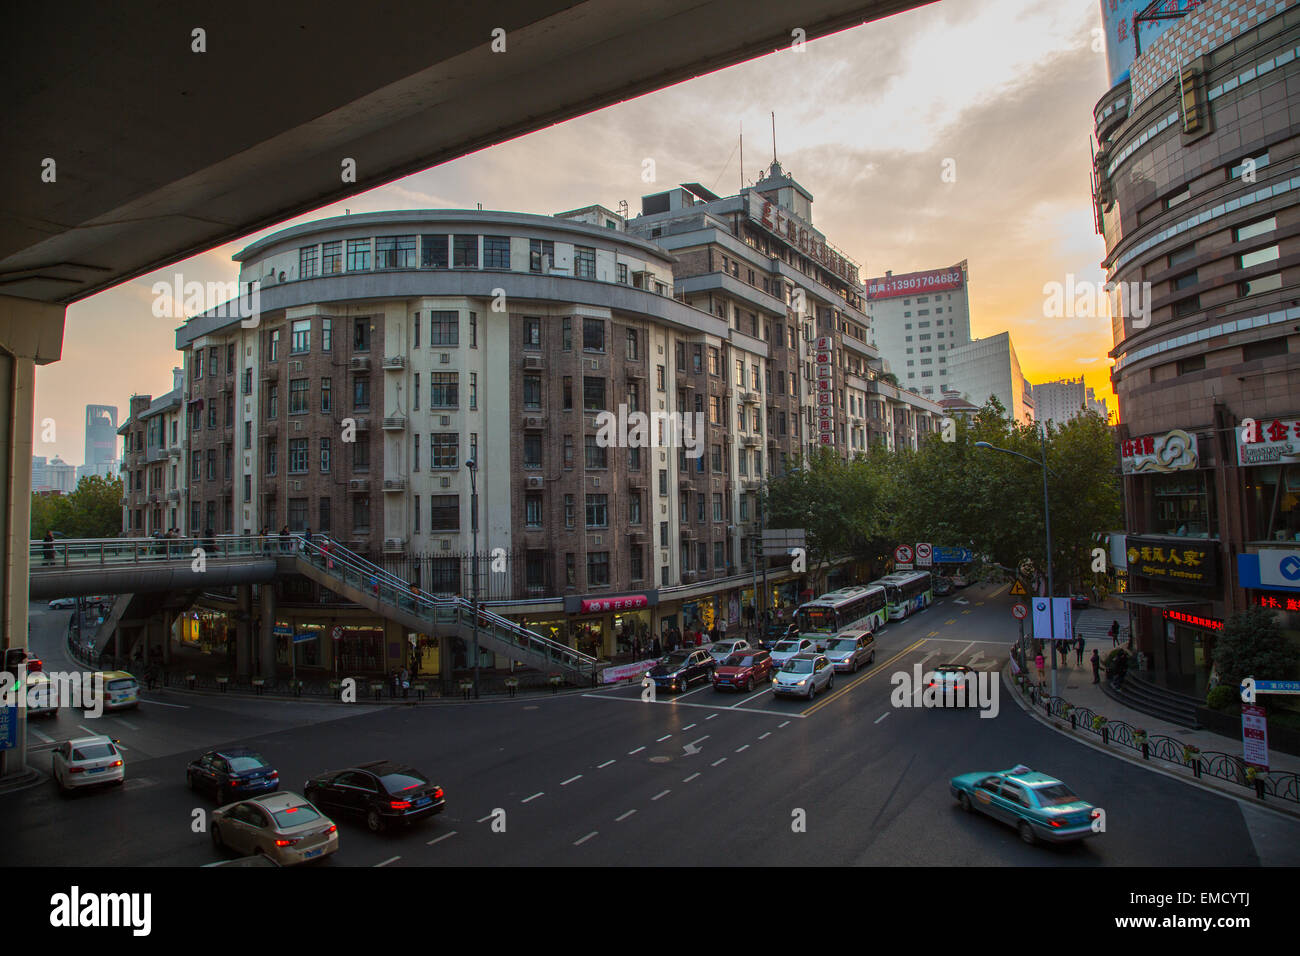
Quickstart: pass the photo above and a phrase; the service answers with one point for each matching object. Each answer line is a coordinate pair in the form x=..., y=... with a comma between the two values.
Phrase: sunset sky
x=865, y=120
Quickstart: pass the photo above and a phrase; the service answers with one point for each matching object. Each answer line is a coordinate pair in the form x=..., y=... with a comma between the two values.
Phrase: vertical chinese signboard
x=825, y=391
x=1254, y=736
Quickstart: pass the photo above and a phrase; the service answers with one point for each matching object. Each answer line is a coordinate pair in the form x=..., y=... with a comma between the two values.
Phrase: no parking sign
x=923, y=556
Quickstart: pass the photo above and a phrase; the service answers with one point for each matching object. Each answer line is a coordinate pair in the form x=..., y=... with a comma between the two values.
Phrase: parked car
x=721, y=650
x=959, y=579
x=681, y=668
x=87, y=762
x=942, y=586
x=232, y=774
x=62, y=603
x=787, y=649
x=283, y=827
x=1038, y=806
x=1079, y=601
x=849, y=650
x=803, y=675
x=381, y=792
x=743, y=671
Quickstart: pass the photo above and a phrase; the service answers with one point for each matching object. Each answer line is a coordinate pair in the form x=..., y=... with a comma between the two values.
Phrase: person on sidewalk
x=1114, y=633
x=1038, y=662
x=1096, y=666
x=1078, y=649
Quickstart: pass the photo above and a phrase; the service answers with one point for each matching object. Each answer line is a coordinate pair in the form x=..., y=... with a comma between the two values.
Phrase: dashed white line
x=762, y=736
x=883, y=716
x=716, y=762
x=391, y=859
x=151, y=702
x=779, y=726
x=570, y=780
x=604, y=765
x=691, y=777
x=483, y=819
x=637, y=751
x=710, y=717
x=443, y=837
x=742, y=747
x=533, y=797
x=586, y=838
x=658, y=795
x=663, y=738
x=127, y=724
x=43, y=738
x=624, y=816
x=688, y=727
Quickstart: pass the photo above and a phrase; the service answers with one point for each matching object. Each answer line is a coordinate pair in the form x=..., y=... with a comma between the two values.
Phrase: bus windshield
x=818, y=620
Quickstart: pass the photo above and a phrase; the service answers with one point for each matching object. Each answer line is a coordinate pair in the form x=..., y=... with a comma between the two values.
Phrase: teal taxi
x=1038, y=806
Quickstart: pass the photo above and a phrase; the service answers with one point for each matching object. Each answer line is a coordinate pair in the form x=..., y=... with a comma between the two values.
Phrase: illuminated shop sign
x=1268, y=442
x=825, y=407
x=1173, y=451
x=1194, y=620
x=802, y=236
x=915, y=283
x=574, y=604
x=1276, y=602
x=1190, y=561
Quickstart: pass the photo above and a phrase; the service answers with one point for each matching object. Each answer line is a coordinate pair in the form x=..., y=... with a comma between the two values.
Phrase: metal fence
x=1279, y=784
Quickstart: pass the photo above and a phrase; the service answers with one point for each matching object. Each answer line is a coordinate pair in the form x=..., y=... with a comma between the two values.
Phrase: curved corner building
x=1197, y=193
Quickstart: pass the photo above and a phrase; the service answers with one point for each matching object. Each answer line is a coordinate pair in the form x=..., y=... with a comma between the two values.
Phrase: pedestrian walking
x=658, y=648
x=1038, y=662
x=1114, y=633
x=49, y=547
x=405, y=678
x=1078, y=650
x=306, y=540
x=1096, y=666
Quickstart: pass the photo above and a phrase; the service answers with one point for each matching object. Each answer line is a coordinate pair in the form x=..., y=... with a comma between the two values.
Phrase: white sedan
x=784, y=650
x=803, y=675
x=282, y=826
x=87, y=762
x=721, y=650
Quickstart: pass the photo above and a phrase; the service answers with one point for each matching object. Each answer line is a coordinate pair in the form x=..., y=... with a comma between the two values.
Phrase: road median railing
x=1281, y=785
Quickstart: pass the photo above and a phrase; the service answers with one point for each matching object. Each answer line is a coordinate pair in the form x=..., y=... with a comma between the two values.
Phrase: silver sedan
x=803, y=676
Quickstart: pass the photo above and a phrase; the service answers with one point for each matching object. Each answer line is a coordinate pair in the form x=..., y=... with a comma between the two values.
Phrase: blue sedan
x=235, y=773
x=1038, y=806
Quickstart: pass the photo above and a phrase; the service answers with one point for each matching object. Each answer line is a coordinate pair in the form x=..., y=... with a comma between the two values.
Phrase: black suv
x=382, y=792
x=774, y=634
x=683, y=667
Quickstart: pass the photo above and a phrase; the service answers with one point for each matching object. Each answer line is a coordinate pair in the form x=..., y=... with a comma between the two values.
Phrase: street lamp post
x=472, y=465
x=1047, y=524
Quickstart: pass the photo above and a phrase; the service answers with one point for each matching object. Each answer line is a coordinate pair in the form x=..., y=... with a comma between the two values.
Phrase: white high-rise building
x=916, y=320
x=989, y=366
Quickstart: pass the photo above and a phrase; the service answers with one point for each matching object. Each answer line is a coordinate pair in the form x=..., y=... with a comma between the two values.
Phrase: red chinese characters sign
x=631, y=603
x=1268, y=442
x=808, y=241
x=1195, y=620
x=915, y=283
x=1277, y=602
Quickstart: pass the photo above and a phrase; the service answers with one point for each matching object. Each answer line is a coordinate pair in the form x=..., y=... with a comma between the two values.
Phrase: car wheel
x=830, y=682
x=747, y=686
x=1027, y=833
x=374, y=821
x=963, y=801
x=872, y=658
x=216, y=838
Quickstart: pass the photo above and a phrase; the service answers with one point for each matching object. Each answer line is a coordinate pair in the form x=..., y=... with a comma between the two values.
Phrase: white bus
x=907, y=592
x=860, y=608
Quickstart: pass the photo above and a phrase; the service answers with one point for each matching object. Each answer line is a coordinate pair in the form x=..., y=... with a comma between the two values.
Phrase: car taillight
x=399, y=804
x=331, y=828
x=1056, y=823
x=274, y=775
x=285, y=842
x=437, y=794
x=116, y=763
x=77, y=769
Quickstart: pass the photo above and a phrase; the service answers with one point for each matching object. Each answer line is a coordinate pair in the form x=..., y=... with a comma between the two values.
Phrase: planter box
x=1228, y=724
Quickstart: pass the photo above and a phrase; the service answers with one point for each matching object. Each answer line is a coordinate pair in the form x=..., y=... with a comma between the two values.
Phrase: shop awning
x=1162, y=600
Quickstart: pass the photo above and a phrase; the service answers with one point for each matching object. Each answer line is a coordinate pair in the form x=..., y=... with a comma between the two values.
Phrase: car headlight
x=802, y=682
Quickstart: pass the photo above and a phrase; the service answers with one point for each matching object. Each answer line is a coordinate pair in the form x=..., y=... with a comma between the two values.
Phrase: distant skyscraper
x=101, y=435
x=1064, y=400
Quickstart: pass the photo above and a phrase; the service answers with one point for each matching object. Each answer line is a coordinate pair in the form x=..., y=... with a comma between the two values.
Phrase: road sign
x=1019, y=611
x=337, y=633
x=923, y=555
x=1019, y=589
x=8, y=728
x=903, y=554
x=304, y=637
x=952, y=555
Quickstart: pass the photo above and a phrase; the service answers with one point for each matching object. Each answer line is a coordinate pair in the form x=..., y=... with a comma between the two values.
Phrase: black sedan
x=381, y=793
x=774, y=634
x=235, y=773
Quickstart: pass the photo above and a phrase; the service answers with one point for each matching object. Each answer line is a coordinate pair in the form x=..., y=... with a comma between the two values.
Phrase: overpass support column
x=266, y=657
x=31, y=334
x=244, y=632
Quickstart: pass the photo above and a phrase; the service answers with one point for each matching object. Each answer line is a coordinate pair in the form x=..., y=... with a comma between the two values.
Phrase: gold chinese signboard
x=1186, y=560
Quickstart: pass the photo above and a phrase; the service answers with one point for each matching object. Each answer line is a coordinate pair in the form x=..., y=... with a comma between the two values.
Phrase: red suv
x=743, y=671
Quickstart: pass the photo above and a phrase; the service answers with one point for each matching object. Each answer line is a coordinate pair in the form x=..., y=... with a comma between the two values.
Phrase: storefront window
x=1183, y=504
x=1273, y=503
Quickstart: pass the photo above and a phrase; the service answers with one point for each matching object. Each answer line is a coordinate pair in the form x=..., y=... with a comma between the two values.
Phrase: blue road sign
x=952, y=555
x=8, y=728
x=304, y=636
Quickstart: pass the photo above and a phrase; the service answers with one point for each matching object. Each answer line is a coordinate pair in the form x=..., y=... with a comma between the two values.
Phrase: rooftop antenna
x=774, y=137
x=742, y=154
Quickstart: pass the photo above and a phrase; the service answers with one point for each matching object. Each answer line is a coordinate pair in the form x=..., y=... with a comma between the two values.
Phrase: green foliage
x=1252, y=645
x=93, y=510
x=1220, y=698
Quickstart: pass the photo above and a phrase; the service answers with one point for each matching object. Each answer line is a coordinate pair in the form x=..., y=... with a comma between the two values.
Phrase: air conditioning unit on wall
x=535, y=481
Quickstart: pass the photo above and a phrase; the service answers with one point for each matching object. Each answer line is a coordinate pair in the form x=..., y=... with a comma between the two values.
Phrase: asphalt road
x=605, y=778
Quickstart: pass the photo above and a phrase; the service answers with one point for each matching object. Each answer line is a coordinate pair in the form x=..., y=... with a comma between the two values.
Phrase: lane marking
x=127, y=724
x=688, y=727
x=624, y=816
x=570, y=780
x=933, y=634
x=865, y=677
x=716, y=762
x=534, y=796
x=782, y=724
x=710, y=717
x=391, y=859
x=586, y=838
x=768, y=734
x=951, y=621
x=883, y=716
x=663, y=738
x=742, y=747
x=443, y=837
x=37, y=734
x=673, y=703
x=160, y=703
x=637, y=751
x=604, y=765
x=658, y=795
x=488, y=817
x=691, y=777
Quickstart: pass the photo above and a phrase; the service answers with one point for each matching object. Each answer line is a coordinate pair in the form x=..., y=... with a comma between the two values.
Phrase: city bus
x=907, y=592
x=857, y=608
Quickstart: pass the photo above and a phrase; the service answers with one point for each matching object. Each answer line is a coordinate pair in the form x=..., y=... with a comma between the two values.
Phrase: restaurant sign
x=1186, y=560
x=1194, y=620
x=1173, y=451
x=802, y=236
x=575, y=604
x=1268, y=443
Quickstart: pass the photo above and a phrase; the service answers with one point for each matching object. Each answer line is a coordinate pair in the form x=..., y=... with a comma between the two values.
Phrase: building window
x=196, y=465
x=298, y=461
x=273, y=350
x=634, y=509
x=532, y=332
x=593, y=335
x=326, y=524
x=541, y=255
x=361, y=456
x=593, y=393
x=361, y=514
x=415, y=452
x=332, y=258
x=1269, y=283
x=532, y=451
x=532, y=391
x=415, y=392
x=473, y=330
x=325, y=395
x=444, y=328
x=663, y=483
x=361, y=394
x=594, y=452
x=444, y=512
x=1251, y=230
x=568, y=451
x=621, y=273
x=358, y=255
x=444, y=450
x=308, y=261
x=1253, y=163
x=716, y=459
x=433, y=252
x=361, y=335
x=568, y=511
x=415, y=514
x=464, y=252
x=584, y=262
x=568, y=392
x=1258, y=257
x=395, y=252
x=444, y=389
x=299, y=396
x=570, y=572
x=272, y=401
x=496, y=252
x=659, y=376
x=663, y=534
x=324, y=456
x=533, y=510
x=597, y=511
x=633, y=350
x=566, y=334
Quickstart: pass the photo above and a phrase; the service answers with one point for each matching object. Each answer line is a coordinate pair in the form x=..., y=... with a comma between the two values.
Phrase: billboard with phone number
x=915, y=283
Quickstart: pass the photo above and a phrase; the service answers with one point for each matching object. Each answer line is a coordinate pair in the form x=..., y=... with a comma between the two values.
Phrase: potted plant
x=1141, y=737
x=1098, y=722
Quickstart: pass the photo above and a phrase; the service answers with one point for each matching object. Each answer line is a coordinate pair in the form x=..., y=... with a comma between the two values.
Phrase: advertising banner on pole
x=1061, y=621
x=1254, y=736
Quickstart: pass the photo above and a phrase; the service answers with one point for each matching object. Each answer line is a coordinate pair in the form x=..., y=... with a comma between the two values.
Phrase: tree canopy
x=93, y=510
